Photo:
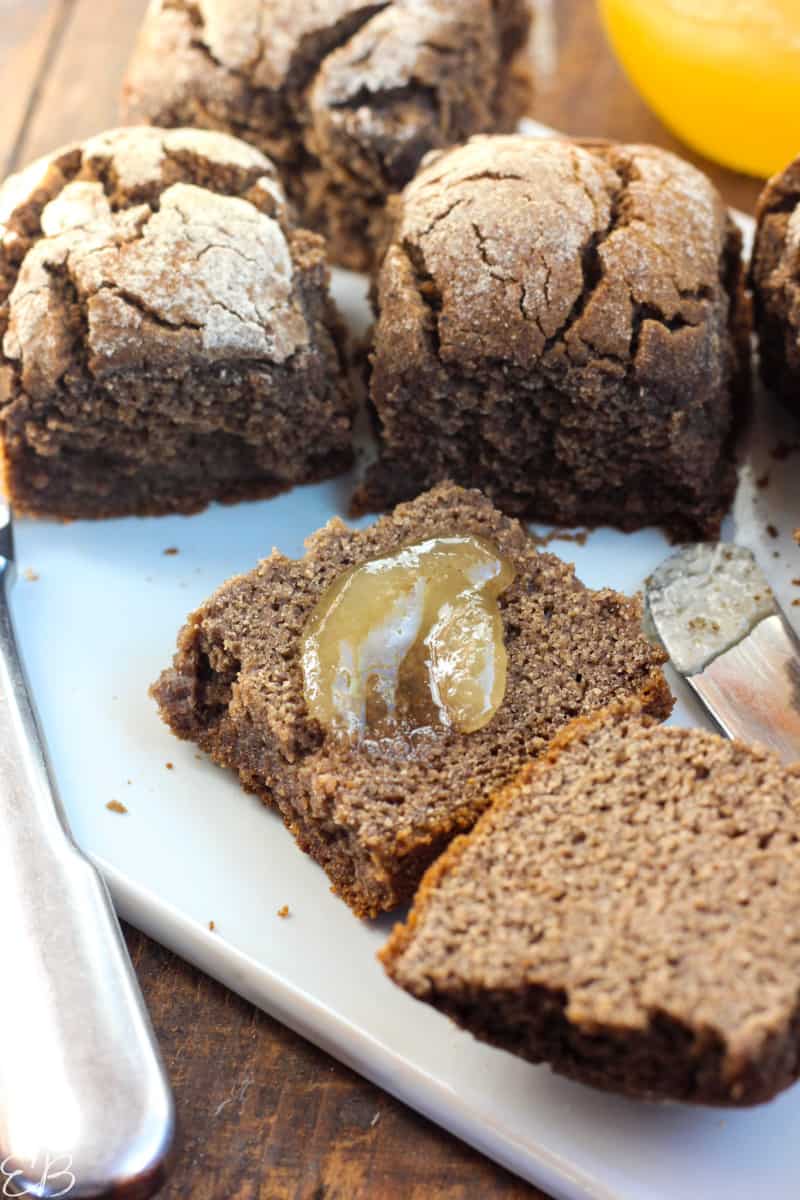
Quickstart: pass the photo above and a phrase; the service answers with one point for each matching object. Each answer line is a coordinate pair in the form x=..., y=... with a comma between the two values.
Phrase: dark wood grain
x=80, y=94
x=30, y=35
x=264, y=1115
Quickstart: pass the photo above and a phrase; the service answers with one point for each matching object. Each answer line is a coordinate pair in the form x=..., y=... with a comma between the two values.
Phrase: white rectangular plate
x=97, y=626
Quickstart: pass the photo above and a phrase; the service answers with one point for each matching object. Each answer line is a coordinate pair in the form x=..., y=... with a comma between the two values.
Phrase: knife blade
x=712, y=609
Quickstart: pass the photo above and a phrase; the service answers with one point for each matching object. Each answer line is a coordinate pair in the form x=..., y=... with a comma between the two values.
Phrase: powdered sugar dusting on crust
x=684, y=209
x=137, y=154
x=79, y=203
x=204, y=276
x=201, y=262
x=262, y=36
x=38, y=339
x=41, y=336
x=386, y=53
x=219, y=148
x=505, y=226
x=19, y=190
x=232, y=30
x=272, y=188
x=483, y=215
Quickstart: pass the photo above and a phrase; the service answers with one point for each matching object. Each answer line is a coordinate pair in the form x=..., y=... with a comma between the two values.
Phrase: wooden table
x=264, y=1114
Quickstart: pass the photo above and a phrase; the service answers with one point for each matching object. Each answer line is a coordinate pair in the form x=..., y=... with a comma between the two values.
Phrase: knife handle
x=85, y=1107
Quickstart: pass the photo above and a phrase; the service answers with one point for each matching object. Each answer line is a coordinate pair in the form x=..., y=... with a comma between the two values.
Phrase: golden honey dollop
x=410, y=641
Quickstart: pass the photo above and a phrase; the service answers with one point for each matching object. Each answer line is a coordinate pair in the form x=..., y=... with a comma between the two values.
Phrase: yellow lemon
x=723, y=74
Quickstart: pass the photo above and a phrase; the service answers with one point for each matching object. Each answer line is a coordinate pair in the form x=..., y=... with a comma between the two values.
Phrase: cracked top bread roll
x=775, y=276
x=345, y=96
x=167, y=335
x=562, y=324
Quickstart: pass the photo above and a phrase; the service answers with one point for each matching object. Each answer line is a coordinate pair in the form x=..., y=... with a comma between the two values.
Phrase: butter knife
x=714, y=612
x=85, y=1107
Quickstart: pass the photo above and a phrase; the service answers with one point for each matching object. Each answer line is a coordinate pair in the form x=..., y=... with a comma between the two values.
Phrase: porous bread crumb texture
x=775, y=280
x=167, y=334
x=629, y=913
x=375, y=815
x=346, y=97
x=563, y=325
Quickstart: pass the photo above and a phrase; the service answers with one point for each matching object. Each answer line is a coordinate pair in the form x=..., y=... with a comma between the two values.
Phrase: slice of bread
x=375, y=815
x=629, y=912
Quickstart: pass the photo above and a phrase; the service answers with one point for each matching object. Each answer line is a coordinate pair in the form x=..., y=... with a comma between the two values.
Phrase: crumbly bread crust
x=346, y=96
x=563, y=325
x=166, y=332
x=775, y=279
x=376, y=815
x=627, y=912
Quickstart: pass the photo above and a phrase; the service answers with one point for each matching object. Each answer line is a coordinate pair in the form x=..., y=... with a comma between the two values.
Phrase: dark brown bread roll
x=167, y=334
x=563, y=326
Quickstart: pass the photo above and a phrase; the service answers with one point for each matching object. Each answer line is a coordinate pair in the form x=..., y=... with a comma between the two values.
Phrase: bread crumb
x=796, y=536
x=31, y=575
x=170, y=766
x=796, y=583
x=211, y=926
x=772, y=530
x=170, y=550
x=796, y=603
x=283, y=911
x=116, y=806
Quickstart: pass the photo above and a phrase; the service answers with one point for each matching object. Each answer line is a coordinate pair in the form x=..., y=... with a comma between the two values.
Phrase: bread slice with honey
x=629, y=912
x=376, y=812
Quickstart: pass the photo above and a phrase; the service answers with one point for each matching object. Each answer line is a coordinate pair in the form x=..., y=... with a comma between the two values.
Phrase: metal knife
x=85, y=1107
x=714, y=612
